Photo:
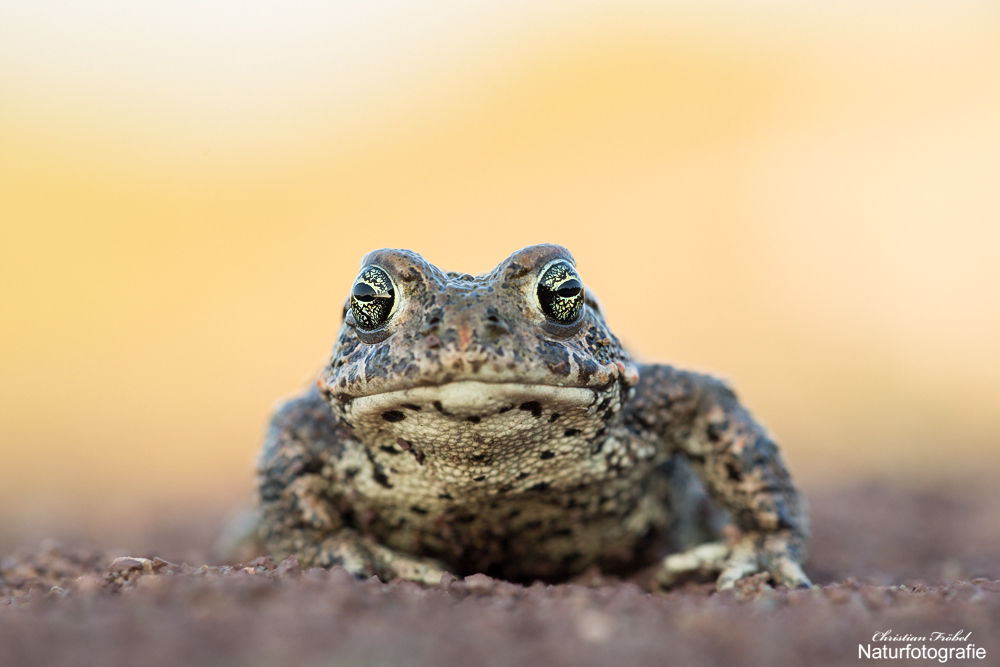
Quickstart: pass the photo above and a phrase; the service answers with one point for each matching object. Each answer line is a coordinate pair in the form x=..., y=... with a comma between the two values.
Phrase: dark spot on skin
x=380, y=478
x=604, y=404
x=608, y=414
x=746, y=517
x=418, y=455
x=602, y=431
x=555, y=416
x=350, y=474
x=495, y=328
x=403, y=444
x=547, y=454
x=399, y=368
x=411, y=406
x=596, y=449
x=417, y=510
x=344, y=398
x=715, y=431
x=393, y=416
x=311, y=468
x=478, y=458
x=523, y=475
x=733, y=472
x=505, y=409
x=532, y=406
x=513, y=514
x=474, y=419
x=449, y=336
x=563, y=532
x=515, y=271
x=479, y=479
x=570, y=432
x=445, y=496
x=439, y=407
x=389, y=450
x=541, y=486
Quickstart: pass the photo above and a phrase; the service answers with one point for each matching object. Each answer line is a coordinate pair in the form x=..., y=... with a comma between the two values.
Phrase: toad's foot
x=365, y=558
x=753, y=553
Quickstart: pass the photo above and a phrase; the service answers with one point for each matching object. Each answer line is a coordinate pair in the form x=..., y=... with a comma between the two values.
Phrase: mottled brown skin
x=474, y=434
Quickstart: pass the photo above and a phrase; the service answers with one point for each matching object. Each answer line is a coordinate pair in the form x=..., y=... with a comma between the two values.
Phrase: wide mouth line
x=526, y=385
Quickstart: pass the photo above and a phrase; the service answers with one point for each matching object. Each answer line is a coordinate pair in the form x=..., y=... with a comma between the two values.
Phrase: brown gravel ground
x=884, y=557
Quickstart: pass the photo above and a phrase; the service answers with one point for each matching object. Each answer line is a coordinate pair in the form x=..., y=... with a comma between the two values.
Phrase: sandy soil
x=913, y=561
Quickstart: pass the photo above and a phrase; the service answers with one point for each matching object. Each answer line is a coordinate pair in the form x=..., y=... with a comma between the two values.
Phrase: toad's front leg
x=298, y=492
x=364, y=558
x=772, y=553
x=741, y=468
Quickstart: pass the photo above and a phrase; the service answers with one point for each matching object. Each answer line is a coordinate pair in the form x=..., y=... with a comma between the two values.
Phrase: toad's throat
x=479, y=416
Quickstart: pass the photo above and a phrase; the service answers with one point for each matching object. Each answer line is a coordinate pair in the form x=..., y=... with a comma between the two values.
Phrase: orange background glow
x=805, y=202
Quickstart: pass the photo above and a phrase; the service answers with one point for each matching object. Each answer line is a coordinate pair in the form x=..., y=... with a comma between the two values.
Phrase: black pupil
x=364, y=293
x=570, y=288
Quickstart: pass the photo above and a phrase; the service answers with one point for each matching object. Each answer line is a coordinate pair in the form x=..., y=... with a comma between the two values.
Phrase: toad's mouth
x=473, y=401
x=475, y=386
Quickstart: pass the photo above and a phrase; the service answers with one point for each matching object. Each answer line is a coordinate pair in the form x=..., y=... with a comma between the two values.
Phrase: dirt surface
x=914, y=562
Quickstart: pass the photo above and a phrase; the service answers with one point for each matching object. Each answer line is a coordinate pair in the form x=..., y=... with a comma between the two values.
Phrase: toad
x=495, y=424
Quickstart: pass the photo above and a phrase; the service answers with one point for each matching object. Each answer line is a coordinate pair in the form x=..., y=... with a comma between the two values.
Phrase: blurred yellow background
x=805, y=201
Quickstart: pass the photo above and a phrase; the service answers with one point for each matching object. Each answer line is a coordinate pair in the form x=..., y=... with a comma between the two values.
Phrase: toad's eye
x=560, y=292
x=373, y=298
